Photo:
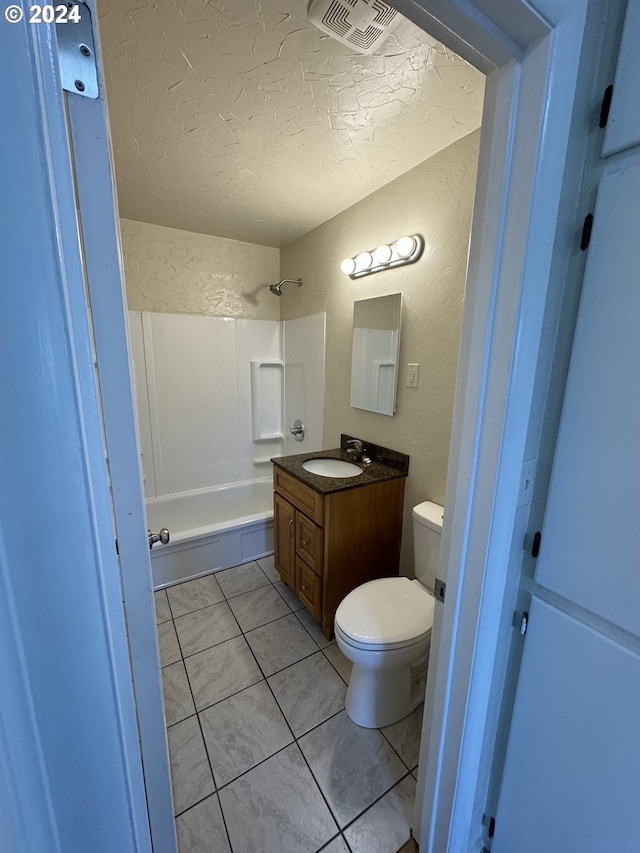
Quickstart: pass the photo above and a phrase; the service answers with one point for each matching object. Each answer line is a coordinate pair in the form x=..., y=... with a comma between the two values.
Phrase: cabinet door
x=570, y=780
x=309, y=542
x=590, y=551
x=284, y=516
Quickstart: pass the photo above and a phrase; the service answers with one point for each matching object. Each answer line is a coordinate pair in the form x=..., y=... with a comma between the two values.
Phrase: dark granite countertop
x=373, y=472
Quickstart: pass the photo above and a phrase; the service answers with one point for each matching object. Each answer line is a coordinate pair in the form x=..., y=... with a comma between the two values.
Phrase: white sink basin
x=331, y=468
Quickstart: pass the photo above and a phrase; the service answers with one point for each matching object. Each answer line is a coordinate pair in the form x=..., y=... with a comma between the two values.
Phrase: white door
x=106, y=298
x=571, y=780
x=83, y=766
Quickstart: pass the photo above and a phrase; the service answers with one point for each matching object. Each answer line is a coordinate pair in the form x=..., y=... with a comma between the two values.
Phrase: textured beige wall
x=181, y=272
x=436, y=200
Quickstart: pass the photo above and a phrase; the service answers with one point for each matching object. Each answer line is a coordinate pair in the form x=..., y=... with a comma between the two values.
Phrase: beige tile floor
x=263, y=756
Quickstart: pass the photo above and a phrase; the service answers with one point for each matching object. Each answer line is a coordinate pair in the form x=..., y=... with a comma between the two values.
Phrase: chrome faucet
x=355, y=448
x=297, y=430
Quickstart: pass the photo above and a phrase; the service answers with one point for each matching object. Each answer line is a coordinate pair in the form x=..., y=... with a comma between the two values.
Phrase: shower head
x=276, y=289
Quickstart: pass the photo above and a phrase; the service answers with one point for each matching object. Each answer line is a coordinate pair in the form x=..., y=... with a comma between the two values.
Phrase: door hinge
x=76, y=52
x=605, y=106
x=535, y=547
x=524, y=624
x=440, y=589
x=117, y=549
x=586, y=231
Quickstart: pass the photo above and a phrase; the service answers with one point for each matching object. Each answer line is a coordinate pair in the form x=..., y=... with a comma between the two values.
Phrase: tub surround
x=333, y=534
x=211, y=530
x=386, y=465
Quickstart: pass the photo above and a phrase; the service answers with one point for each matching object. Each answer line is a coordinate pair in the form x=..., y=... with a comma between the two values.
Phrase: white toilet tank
x=427, y=528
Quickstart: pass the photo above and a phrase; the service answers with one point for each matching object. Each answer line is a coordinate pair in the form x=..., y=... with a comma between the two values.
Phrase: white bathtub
x=211, y=529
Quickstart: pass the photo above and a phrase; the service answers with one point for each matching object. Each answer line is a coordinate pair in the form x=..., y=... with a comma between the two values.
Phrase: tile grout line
x=216, y=791
x=282, y=748
x=331, y=840
x=206, y=648
x=377, y=800
x=225, y=600
x=395, y=750
x=304, y=758
x=319, y=649
x=295, y=739
x=346, y=683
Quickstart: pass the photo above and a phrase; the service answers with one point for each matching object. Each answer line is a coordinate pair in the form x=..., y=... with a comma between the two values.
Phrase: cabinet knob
x=303, y=587
x=305, y=541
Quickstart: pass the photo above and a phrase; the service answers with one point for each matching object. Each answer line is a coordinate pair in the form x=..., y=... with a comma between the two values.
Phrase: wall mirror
x=374, y=359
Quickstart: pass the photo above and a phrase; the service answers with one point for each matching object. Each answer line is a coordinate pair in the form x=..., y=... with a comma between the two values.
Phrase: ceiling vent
x=361, y=24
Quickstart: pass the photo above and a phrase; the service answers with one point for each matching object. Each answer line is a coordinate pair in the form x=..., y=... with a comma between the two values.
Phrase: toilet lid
x=385, y=611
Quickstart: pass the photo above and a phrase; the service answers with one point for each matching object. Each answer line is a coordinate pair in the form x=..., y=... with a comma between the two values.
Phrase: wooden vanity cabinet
x=327, y=545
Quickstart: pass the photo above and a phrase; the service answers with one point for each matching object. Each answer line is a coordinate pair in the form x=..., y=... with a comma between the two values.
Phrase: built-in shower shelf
x=267, y=394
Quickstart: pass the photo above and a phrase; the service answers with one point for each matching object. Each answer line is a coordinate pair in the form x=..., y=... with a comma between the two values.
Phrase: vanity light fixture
x=406, y=250
x=382, y=255
x=364, y=262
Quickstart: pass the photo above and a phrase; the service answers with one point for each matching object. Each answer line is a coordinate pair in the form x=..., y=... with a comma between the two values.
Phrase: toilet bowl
x=384, y=628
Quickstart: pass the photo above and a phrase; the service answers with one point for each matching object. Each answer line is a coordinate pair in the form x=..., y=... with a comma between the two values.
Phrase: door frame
x=107, y=306
x=106, y=302
x=70, y=761
x=530, y=51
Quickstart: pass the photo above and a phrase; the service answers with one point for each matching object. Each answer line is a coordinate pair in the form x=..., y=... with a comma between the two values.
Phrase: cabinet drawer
x=300, y=495
x=309, y=588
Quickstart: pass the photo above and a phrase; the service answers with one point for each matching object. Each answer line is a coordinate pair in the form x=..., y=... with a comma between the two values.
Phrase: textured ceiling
x=239, y=118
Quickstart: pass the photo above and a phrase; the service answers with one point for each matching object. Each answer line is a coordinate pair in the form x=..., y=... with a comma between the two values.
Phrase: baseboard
x=409, y=846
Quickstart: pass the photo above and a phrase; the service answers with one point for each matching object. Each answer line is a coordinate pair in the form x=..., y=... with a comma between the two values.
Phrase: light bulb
x=405, y=246
x=382, y=255
x=348, y=266
x=363, y=261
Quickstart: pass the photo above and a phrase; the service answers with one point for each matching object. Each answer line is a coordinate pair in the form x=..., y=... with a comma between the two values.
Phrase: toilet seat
x=380, y=647
x=385, y=614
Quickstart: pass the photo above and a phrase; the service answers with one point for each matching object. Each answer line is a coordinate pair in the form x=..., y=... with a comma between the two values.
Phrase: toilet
x=384, y=628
